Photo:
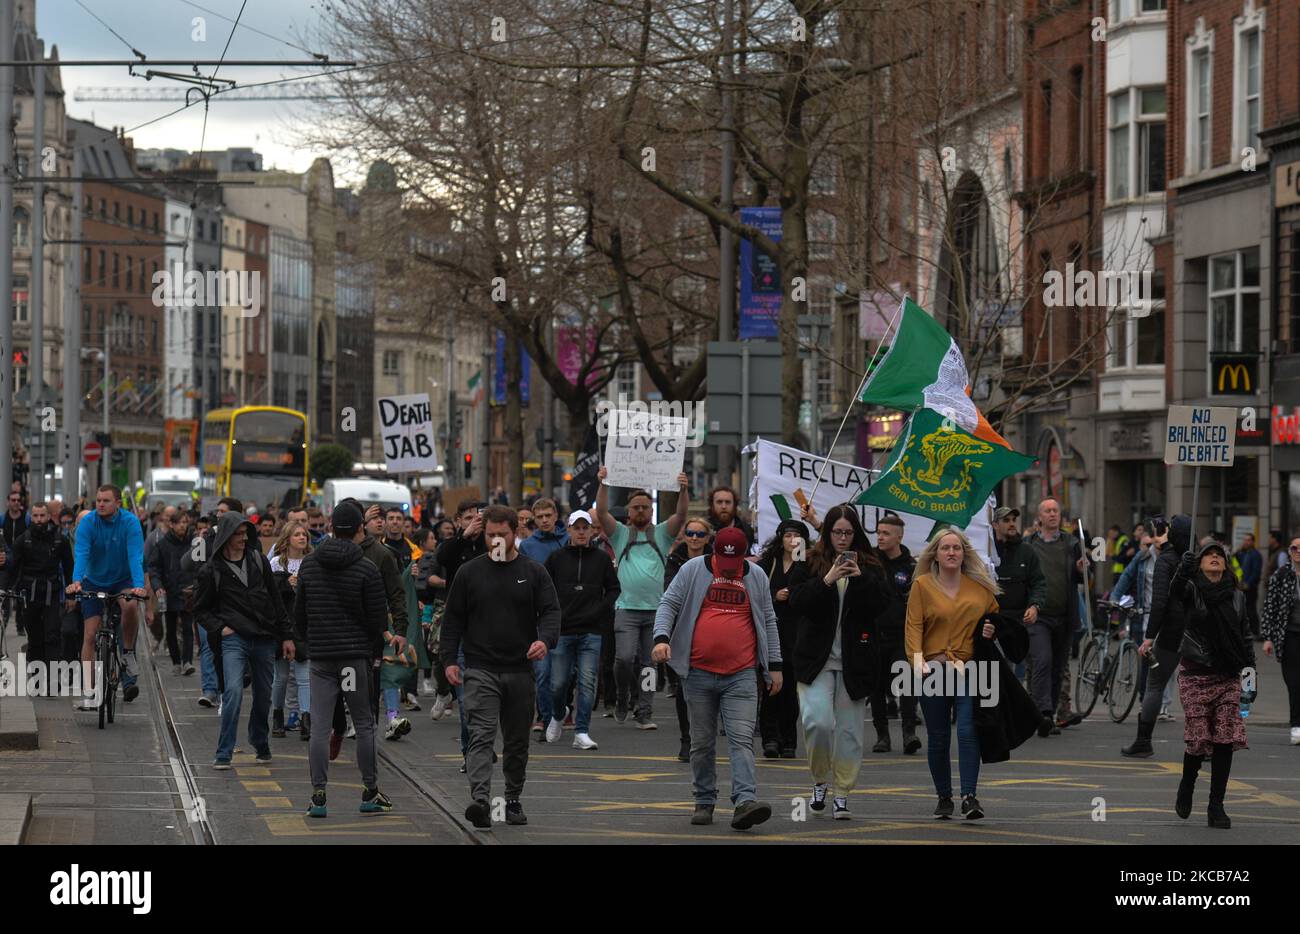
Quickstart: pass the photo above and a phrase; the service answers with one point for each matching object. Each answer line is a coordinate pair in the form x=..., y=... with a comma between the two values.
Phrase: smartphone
x=846, y=557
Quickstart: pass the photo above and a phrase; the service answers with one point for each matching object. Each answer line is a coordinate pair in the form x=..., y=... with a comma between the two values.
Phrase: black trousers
x=890, y=652
x=44, y=631
x=184, y=651
x=71, y=631
x=1291, y=675
x=606, y=689
x=778, y=715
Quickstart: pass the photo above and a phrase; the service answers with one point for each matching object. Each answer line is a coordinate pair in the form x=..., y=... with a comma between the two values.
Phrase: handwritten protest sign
x=644, y=449
x=406, y=426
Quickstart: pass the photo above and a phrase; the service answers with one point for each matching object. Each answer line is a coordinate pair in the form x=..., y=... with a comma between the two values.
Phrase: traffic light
x=469, y=466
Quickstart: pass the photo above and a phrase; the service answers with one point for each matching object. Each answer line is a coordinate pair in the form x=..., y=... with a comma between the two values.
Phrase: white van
x=172, y=486
x=385, y=493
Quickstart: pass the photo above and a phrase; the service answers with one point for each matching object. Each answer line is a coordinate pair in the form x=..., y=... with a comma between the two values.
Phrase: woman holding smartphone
x=834, y=659
x=952, y=591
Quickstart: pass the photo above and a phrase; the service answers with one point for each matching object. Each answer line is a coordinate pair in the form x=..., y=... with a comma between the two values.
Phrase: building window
x=1078, y=125
x=20, y=298
x=821, y=235
x=117, y=270
x=1234, y=302
x=392, y=362
x=1134, y=342
x=1046, y=92
x=1246, y=79
x=22, y=227
x=822, y=179
x=1137, y=142
x=1199, y=98
x=626, y=379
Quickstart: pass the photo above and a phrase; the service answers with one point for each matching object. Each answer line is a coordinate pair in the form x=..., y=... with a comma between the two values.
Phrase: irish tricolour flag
x=923, y=368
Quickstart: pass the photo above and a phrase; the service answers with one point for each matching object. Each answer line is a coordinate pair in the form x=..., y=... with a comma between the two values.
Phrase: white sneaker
x=583, y=741
x=554, y=730
x=87, y=703
x=441, y=703
x=397, y=728
x=1295, y=736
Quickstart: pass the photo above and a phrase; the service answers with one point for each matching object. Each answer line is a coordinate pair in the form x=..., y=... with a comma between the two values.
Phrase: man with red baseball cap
x=714, y=626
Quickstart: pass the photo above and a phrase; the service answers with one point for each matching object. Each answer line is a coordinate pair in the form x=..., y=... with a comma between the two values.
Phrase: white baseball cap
x=580, y=514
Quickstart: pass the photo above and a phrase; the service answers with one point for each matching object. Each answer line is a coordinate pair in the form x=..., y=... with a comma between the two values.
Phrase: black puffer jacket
x=898, y=574
x=1165, y=628
x=340, y=610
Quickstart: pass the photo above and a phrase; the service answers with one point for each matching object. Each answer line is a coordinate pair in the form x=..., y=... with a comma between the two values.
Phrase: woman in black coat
x=783, y=561
x=1280, y=627
x=835, y=658
x=1216, y=648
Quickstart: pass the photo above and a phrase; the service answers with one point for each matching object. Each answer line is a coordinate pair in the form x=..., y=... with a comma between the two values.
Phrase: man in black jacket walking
x=1024, y=588
x=587, y=586
x=340, y=611
x=899, y=564
x=467, y=543
x=235, y=594
x=503, y=607
x=1164, y=635
x=41, y=568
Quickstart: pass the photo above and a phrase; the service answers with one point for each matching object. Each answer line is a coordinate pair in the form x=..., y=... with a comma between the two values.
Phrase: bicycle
x=108, y=649
x=11, y=605
x=1103, y=672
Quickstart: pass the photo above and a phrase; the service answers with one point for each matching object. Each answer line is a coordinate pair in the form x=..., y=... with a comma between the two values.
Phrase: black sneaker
x=620, y=713
x=970, y=807
x=818, y=802
x=374, y=801
x=131, y=693
x=684, y=751
x=515, y=814
x=750, y=814
x=703, y=815
x=1045, y=725
x=943, y=810
x=317, y=808
x=263, y=756
x=480, y=815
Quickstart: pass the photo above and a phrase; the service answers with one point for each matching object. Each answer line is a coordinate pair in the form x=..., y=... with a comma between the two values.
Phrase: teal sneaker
x=317, y=808
x=374, y=801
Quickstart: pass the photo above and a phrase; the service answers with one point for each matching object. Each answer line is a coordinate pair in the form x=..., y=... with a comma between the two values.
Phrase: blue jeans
x=581, y=652
x=542, y=681
x=207, y=668
x=239, y=653
x=736, y=698
x=938, y=728
x=280, y=684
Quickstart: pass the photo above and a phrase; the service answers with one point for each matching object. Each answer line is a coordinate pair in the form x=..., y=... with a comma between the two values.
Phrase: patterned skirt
x=1211, y=711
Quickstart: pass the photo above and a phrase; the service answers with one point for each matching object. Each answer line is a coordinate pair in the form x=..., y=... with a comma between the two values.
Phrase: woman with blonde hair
x=291, y=547
x=952, y=593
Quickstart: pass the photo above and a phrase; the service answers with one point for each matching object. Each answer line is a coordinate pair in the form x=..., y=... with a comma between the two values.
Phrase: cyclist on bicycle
x=108, y=556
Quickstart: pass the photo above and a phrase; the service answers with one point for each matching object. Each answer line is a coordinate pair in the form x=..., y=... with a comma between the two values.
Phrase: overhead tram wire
x=134, y=50
x=260, y=32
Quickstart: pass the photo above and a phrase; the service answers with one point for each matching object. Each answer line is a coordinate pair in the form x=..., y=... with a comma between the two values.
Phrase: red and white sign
x=92, y=452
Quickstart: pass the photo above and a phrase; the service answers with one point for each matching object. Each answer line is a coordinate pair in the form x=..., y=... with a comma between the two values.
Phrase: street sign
x=730, y=392
x=92, y=452
x=1201, y=435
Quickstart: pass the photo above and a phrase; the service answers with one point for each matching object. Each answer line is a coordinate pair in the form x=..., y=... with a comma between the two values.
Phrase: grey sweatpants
x=351, y=678
x=1157, y=678
x=492, y=699
x=634, y=632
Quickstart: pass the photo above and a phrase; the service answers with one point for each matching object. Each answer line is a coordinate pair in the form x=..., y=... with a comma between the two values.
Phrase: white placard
x=644, y=450
x=1201, y=435
x=781, y=470
x=406, y=427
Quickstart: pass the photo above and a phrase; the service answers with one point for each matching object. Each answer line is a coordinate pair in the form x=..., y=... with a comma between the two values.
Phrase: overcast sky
x=164, y=29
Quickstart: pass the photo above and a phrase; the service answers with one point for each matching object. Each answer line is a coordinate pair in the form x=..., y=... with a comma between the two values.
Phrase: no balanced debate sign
x=1201, y=435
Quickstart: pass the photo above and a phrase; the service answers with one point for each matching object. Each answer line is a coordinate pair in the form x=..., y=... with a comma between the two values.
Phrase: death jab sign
x=406, y=426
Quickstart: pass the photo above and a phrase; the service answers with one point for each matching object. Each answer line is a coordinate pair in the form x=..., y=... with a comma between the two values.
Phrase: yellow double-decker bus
x=257, y=454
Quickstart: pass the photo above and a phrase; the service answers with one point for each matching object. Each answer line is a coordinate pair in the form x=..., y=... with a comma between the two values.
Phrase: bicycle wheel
x=1124, y=684
x=103, y=652
x=1088, y=681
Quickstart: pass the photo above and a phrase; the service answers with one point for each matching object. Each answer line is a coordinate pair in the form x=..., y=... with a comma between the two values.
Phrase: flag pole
x=858, y=393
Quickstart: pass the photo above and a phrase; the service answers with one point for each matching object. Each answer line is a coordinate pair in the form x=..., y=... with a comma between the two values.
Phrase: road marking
x=260, y=801
x=246, y=772
x=1061, y=782
x=298, y=825
x=262, y=786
